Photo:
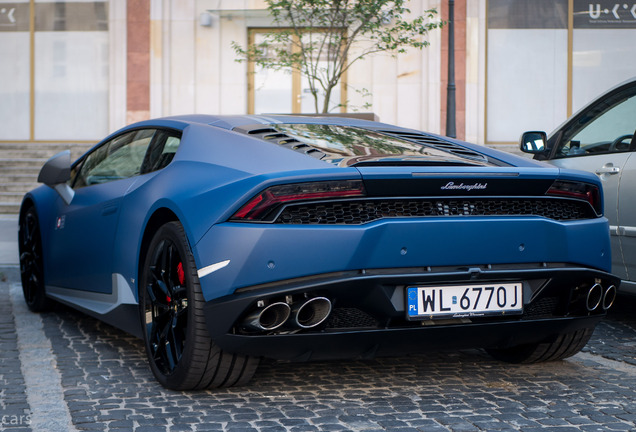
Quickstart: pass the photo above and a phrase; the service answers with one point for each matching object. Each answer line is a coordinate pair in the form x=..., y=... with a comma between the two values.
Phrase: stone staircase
x=20, y=164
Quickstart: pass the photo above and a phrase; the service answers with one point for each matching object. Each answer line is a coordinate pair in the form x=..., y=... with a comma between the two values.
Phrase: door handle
x=628, y=231
x=608, y=170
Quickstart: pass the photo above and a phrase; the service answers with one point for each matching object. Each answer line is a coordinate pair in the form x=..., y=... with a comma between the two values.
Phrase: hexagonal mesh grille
x=350, y=318
x=363, y=211
x=542, y=308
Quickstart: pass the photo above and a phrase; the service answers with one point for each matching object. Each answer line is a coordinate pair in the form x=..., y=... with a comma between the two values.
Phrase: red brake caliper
x=180, y=273
x=181, y=276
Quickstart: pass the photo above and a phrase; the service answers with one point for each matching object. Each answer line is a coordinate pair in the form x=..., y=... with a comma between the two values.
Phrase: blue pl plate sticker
x=412, y=301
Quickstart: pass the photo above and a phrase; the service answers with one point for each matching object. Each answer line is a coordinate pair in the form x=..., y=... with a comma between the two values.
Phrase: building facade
x=77, y=70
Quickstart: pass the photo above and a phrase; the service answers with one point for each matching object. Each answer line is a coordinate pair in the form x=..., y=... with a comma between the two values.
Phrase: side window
x=74, y=172
x=117, y=159
x=162, y=151
x=606, y=128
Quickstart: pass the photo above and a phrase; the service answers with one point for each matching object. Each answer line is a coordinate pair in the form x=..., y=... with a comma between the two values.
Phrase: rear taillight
x=583, y=191
x=263, y=204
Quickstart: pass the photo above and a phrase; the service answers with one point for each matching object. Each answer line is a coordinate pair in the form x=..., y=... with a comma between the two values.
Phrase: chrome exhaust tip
x=310, y=313
x=594, y=297
x=268, y=318
x=609, y=296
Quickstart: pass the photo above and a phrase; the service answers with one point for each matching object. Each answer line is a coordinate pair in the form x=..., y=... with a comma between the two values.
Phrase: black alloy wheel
x=180, y=352
x=31, y=262
x=166, y=309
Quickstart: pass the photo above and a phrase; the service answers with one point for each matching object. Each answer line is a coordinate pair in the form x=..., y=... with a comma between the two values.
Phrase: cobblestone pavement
x=105, y=384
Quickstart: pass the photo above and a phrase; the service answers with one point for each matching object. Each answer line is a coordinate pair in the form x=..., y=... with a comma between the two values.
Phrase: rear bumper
x=257, y=254
x=553, y=295
x=390, y=342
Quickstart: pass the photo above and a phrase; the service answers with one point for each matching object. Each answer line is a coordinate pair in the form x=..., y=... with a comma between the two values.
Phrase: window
x=606, y=127
x=161, y=151
x=117, y=159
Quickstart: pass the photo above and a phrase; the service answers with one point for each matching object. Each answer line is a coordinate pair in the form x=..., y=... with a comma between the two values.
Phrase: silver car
x=600, y=139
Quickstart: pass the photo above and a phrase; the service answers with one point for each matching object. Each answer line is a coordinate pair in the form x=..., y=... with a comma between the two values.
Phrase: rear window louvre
x=431, y=141
x=272, y=135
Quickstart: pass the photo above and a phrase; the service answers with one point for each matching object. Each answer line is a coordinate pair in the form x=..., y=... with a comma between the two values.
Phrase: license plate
x=464, y=301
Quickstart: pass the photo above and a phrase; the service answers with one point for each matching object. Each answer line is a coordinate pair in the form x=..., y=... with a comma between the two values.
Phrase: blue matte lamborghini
x=223, y=239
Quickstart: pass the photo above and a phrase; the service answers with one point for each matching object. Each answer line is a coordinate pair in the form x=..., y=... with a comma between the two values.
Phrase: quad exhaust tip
x=594, y=297
x=598, y=296
x=609, y=296
x=268, y=318
x=310, y=313
x=305, y=314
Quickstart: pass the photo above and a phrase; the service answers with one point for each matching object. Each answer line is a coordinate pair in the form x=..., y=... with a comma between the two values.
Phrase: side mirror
x=533, y=142
x=56, y=172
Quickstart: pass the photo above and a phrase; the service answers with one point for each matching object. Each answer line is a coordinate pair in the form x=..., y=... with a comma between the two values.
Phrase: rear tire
x=180, y=352
x=564, y=346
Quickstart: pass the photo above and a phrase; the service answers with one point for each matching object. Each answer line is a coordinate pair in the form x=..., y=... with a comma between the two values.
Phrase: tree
x=316, y=37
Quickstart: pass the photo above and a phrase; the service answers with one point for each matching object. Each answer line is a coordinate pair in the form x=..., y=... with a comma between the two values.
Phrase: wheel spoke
x=166, y=346
x=27, y=229
x=164, y=291
x=175, y=344
x=30, y=289
x=150, y=292
x=35, y=246
x=164, y=264
x=178, y=332
x=157, y=335
x=170, y=273
x=25, y=261
x=164, y=268
x=154, y=273
x=35, y=265
x=156, y=288
x=169, y=356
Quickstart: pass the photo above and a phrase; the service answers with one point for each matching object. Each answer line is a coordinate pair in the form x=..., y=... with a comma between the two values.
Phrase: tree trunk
x=325, y=104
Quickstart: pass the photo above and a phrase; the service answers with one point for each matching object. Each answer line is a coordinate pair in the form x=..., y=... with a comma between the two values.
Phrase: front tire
x=32, y=262
x=564, y=346
x=180, y=352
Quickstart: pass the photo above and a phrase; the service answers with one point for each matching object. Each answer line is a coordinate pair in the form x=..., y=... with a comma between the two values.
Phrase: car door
x=627, y=216
x=600, y=140
x=83, y=238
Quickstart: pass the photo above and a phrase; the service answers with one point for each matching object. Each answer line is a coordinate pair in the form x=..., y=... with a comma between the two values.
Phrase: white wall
x=527, y=81
x=475, y=70
x=602, y=58
x=193, y=67
x=117, y=65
